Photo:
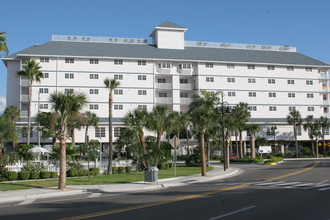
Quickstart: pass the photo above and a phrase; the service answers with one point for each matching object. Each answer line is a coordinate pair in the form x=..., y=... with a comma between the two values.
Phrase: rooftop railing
x=118, y=40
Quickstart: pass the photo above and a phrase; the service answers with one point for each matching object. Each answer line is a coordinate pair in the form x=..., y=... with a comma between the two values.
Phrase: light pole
x=224, y=145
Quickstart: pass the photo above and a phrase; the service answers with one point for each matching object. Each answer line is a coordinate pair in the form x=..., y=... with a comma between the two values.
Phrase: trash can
x=151, y=174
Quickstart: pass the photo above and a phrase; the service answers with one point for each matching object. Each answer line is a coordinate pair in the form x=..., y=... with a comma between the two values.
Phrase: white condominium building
x=273, y=80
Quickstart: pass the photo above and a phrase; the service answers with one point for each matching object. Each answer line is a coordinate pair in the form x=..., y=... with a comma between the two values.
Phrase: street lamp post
x=224, y=146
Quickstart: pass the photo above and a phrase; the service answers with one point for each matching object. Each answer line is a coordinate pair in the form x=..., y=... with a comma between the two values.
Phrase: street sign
x=175, y=141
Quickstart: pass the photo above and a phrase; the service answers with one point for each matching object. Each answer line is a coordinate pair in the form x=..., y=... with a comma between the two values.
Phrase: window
x=310, y=95
x=290, y=68
x=290, y=81
x=165, y=65
x=116, y=131
x=325, y=110
x=231, y=80
x=118, y=77
x=68, y=90
x=161, y=80
x=94, y=76
x=272, y=94
x=46, y=75
x=142, y=107
x=142, y=77
x=93, y=61
x=24, y=132
x=142, y=92
x=230, y=66
x=100, y=132
x=118, y=107
x=251, y=67
x=44, y=60
x=93, y=91
x=270, y=131
x=118, y=62
x=252, y=94
x=69, y=76
x=299, y=130
x=325, y=97
x=310, y=109
x=253, y=108
x=183, y=81
x=183, y=95
x=142, y=62
x=231, y=93
x=209, y=65
x=43, y=90
x=270, y=67
x=209, y=79
x=43, y=106
x=251, y=80
x=185, y=66
x=309, y=82
x=69, y=60
x=291, y=109
x=309, y=69
x=118, y=92
x=93, y=106
x=162, y=94
x=272, y=108
x=291, y=95
x=271, y=81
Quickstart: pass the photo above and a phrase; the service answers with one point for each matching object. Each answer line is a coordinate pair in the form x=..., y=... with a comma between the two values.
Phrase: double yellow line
x=182, y=198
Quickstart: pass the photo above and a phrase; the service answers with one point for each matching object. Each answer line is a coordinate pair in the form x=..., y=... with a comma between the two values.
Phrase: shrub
x=12, y=175
x=82, y=172
x=53, y=174
x=24, y=175
x=72, y=172
x=34, y=175
x=44, y=175
x=258, y=160
x=114, y=170
x=121, y=169
x=94, y=171
x=3, y=172
x=275, y=159
x=128, y=169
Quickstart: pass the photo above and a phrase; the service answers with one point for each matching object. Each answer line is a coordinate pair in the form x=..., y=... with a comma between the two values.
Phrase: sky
x=304, y=24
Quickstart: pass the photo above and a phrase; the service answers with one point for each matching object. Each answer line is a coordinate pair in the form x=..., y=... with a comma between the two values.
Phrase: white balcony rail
x=185, y=101
x=24, y=98
x=24, y=82
x=163, y=85
x=164, y=100
x=187, y=86
x=94, y=39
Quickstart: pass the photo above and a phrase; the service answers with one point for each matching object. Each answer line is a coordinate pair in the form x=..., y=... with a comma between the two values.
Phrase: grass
x=101, y=179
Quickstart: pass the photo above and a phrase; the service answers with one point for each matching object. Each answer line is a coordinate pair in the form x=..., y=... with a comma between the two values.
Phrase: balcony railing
x=185, y=101
x=163, y=85
x=187, y=86
x=164, y=100
x=24, y=82
x=24, y=98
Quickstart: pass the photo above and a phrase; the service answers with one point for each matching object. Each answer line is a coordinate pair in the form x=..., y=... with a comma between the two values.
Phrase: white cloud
x=2, y=104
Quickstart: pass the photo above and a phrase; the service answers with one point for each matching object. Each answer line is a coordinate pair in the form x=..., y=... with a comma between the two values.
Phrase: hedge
x=44, y=175
x=53, y=174
x=34, y=175
x=94, y=171
x=24, y=175
x=12, y=175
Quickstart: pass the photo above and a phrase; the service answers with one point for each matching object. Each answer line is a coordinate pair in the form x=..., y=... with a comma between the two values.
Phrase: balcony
x=185, y=101
x=24, y=98
x=187, y=86
x=164, y=100
x=24, y=82
x=163, y=85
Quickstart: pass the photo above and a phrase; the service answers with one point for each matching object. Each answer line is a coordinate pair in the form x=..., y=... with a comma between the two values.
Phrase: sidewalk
x=20, y=195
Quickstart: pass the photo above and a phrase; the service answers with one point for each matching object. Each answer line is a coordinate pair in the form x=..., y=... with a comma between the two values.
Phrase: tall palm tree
x=49, y=125
x=7, y=132
x=311, y=125
x=3, y=43
x=202, y=110
x=33, y=73
x=294, y=118
x=91, y=119
x=13, y=113
x=110, y=85
x=324, y=123
x=136, y=121
x=253, y=129
x=65, y=105
x=76, y=121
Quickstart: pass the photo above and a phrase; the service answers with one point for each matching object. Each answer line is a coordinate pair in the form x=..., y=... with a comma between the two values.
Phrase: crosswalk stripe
x=26, y=202
x=317, y=186
x=93, y=195
x=269, y=183
x=288, y=183
x=324, y=189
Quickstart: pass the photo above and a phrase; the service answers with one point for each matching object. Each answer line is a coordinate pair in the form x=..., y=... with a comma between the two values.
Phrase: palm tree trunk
x=110, y=135
x=73, y=137
x=236, y=145
x=241, y=145
x=187, y=143
x=62, y=179
x=253, y=146
x=159, y=136
x=323, y=142
x=317, y=148
x=29, y=113
x=202, y=148
x=144, y=148
x=295, y=139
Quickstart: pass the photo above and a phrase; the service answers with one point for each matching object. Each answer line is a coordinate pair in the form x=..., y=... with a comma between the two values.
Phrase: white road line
x=304, y=184
x=316, y=186
x=287, y=184
x=26, y=202
x=324, y=189
x=93, y=195
x=270, y=183
x=232, y=213
x=322, y=182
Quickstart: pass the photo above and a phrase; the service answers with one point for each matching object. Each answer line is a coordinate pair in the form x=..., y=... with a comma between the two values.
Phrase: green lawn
x=101, y=179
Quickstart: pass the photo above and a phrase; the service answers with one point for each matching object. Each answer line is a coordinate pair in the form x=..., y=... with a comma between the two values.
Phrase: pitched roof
x=145, y=51
x=169, y=24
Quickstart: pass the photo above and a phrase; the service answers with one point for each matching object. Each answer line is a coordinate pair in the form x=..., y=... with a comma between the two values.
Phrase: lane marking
x=268, y=183
x=322, y=182
x=287, y=183
x=316, y=186
x=194, y=196
x=232, y=213
x=94, y=195
x=324, y=189
x=26, y=202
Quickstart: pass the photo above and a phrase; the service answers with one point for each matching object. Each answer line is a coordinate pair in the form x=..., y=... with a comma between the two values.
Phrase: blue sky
x=304, y=24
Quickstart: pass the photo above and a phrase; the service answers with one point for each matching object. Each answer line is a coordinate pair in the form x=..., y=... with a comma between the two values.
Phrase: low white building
x=272, y=79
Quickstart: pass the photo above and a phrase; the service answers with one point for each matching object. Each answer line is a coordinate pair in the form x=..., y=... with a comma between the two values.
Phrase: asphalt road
x=290, y=190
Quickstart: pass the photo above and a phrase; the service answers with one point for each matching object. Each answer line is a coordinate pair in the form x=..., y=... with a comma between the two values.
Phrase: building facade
x=273, y=80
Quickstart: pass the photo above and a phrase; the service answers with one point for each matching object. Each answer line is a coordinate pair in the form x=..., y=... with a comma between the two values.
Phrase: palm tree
x=324, y=123
x=110, y=85
x=202, y=110
x=33, y=73
x=311, y=125
x=294, y=118
x=91, y=119
x=185, y=121
x=136, y=121
x=65, y=106
x=7, y=132
x=75, y=122
x=253, y=129
x=49, y=123
x=3, y=43
x=13, y=113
